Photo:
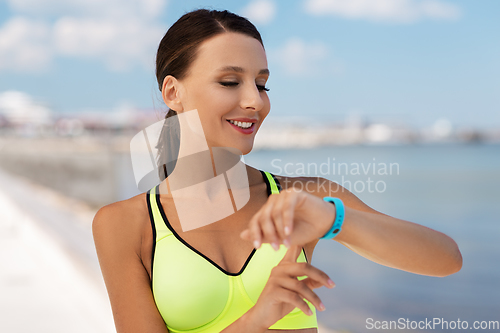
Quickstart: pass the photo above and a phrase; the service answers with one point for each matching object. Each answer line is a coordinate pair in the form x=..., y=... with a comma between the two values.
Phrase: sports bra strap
x=157, y=220
x=271, y=182
x=159, y=227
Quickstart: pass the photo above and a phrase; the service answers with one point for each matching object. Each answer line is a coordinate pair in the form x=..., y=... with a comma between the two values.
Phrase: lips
x=250, y=120
x=242, y=130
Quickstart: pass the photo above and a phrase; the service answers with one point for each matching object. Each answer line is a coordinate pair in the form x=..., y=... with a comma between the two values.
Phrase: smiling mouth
x=241, y=124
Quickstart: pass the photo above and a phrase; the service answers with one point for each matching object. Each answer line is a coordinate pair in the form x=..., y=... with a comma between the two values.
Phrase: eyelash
x=233, y=84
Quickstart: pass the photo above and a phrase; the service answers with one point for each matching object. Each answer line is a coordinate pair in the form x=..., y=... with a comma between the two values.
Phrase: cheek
x=217, y=101
x=219, y=105
x=213, y=107
x=267, y=106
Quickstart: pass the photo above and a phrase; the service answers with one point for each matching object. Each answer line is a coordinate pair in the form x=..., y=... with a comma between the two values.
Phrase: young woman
x=249, y=271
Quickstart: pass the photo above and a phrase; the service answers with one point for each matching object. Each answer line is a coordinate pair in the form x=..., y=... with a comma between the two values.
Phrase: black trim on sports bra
x=278, y=185
x=151, y=219
x=305, y=255
x=268, y=186
x=169, y=226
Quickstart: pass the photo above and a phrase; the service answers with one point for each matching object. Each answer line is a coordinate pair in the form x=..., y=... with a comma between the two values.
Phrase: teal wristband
x=339, y=217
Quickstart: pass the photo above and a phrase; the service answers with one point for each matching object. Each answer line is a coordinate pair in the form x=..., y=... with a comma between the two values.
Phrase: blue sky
x=411, y=61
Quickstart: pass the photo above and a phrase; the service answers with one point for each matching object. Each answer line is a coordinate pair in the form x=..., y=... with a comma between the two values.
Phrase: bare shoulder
x=135, y=205
x=119, y=230
x=121, y=221
x=322, y=187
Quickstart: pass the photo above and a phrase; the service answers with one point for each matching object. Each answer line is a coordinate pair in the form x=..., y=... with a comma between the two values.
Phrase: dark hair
x=176, y=52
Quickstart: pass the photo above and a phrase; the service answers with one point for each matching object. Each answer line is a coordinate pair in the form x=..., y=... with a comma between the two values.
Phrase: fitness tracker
x=339, y=217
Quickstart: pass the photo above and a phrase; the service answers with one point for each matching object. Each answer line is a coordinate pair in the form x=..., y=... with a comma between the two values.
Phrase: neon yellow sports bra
x=194, y=294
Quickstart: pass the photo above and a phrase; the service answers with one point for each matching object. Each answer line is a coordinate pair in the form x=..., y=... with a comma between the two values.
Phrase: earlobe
x=170, y=93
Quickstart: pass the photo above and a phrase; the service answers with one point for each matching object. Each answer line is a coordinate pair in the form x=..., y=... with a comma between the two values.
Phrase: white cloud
x=260, y=11
x=395, y=11
x=19, y=107
x=24, y=45
x=298, y=57
x=93, y=8
x=120, y=33
x=119, y=44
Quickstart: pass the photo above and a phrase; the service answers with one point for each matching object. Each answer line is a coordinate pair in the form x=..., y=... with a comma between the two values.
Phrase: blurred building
x=19, y=110
x=22, y=115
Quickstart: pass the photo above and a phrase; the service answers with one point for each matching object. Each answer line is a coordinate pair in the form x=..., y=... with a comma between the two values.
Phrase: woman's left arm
x=399, y=244
x=381, y=238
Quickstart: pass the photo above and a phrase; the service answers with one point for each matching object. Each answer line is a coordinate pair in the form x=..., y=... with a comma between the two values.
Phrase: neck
x=197, y=163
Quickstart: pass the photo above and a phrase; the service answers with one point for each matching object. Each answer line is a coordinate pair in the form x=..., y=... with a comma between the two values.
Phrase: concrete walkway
x=42, y=287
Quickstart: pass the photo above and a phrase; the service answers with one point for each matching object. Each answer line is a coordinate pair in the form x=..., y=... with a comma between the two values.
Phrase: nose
x=251, y=98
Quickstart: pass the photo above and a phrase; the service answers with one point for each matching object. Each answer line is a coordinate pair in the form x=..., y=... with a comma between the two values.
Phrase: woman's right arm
x=283, y=292
x=117, y=236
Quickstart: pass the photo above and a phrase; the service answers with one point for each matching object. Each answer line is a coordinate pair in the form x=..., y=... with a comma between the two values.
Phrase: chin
x=247, y=147
x=245, y=152
x=244, y=149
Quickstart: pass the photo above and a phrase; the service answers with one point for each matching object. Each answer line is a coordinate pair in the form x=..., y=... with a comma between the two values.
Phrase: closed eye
x=234, y=84
x=262, y=88
x=229, y=84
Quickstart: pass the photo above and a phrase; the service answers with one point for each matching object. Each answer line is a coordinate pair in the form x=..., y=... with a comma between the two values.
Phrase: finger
x=291, y=254
x=288, y=210
x=302, y=268
x=277, y=216
x=254, y=230
x=267, y=225
x=245, y=234
x=304, y=291
x=313, y=284
x=293, y=298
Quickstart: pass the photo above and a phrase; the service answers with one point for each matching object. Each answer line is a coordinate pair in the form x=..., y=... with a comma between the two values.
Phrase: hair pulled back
x=176, y=52
x=177, y=49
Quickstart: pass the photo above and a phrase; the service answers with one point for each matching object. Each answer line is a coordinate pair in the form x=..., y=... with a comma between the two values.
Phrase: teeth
x=241, y=124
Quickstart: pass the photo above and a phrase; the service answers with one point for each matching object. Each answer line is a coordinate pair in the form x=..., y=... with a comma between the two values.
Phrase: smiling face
x=226, y=82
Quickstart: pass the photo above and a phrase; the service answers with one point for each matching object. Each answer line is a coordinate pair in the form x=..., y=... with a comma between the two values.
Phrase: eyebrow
x=241, y=70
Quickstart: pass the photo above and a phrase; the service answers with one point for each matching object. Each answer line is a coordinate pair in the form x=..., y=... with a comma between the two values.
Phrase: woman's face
x=226, y=82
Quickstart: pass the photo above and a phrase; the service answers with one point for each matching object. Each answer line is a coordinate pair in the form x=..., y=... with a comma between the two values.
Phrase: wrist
x=329, y=218
x=338, y=218
x=251, y=323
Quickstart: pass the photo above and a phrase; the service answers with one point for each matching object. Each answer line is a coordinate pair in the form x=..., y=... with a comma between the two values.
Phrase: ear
x=171, y=93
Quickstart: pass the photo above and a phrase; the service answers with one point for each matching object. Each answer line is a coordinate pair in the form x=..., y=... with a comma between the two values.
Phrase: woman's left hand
x=290, y=217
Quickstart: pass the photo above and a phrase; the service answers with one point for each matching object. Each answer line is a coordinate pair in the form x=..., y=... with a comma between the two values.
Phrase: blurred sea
x=452, y=188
